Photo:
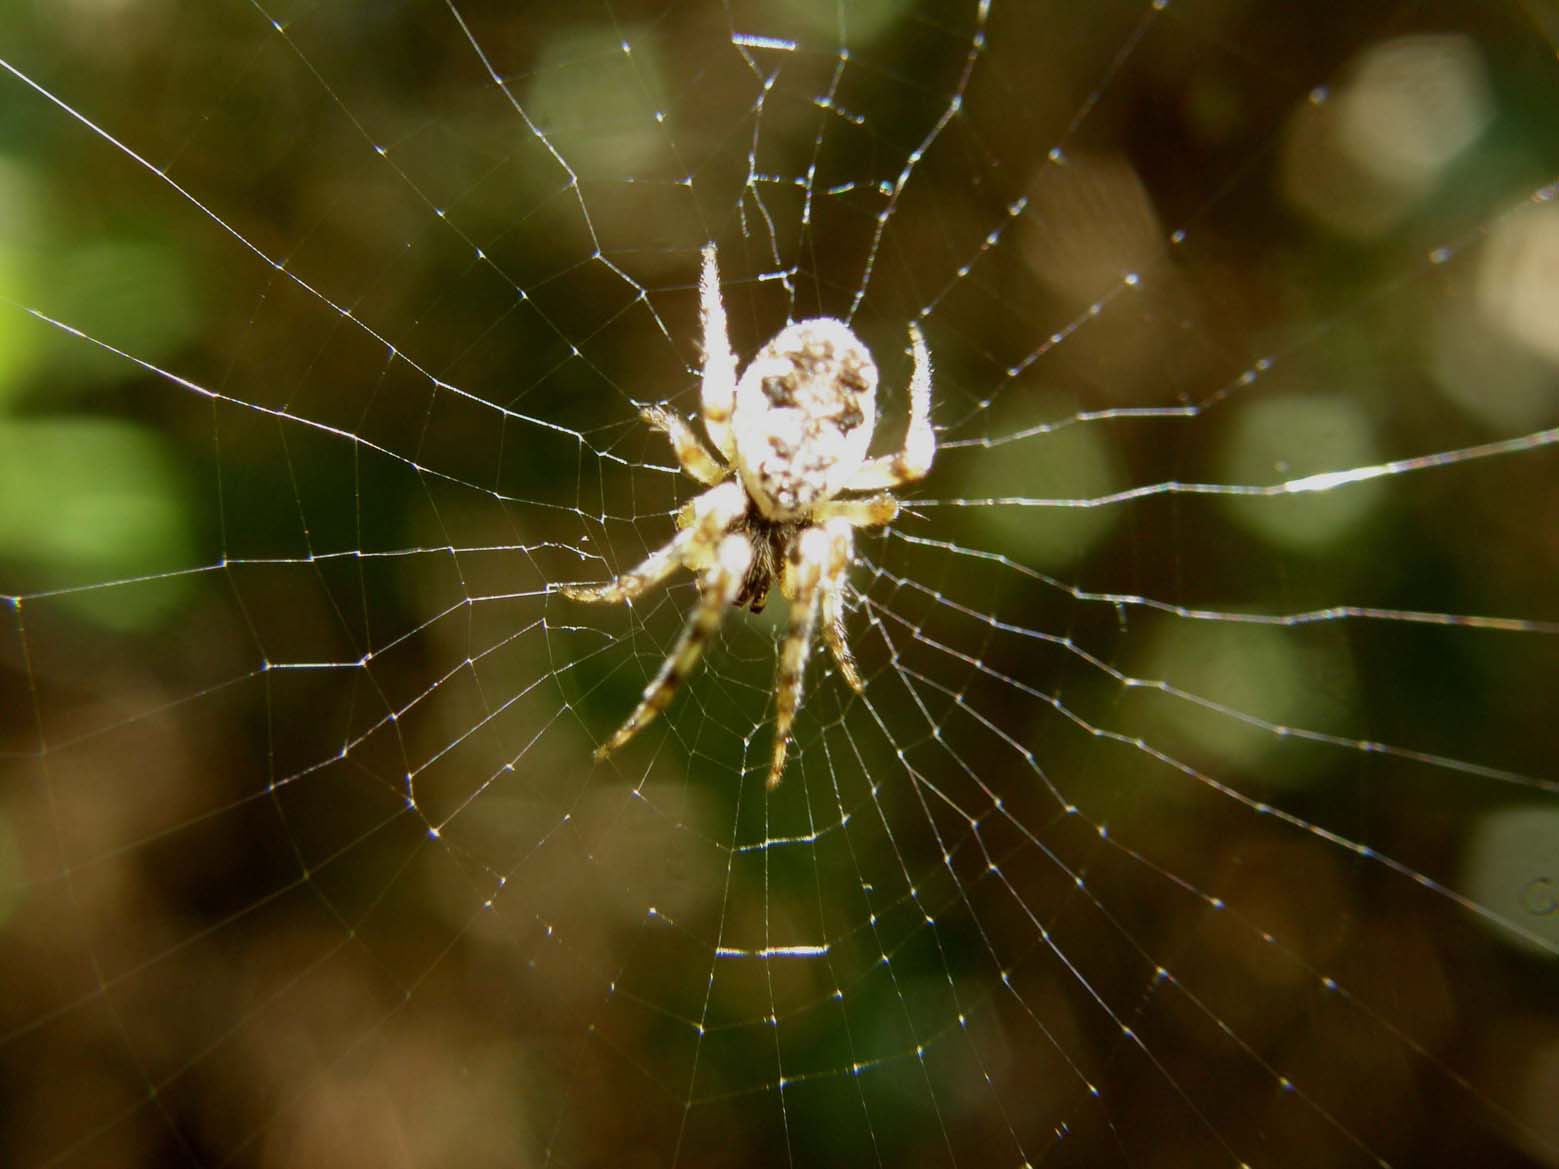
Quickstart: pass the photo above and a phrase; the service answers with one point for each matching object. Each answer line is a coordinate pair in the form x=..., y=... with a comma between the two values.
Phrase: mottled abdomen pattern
x=805, y=411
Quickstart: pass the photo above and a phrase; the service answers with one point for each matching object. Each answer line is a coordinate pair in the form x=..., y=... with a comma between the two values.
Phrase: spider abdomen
x=804, y=414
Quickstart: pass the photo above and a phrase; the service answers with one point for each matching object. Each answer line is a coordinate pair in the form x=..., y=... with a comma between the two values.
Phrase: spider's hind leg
x=691, y=453
x=914, y=459
x=718, y=392
x=720, y=583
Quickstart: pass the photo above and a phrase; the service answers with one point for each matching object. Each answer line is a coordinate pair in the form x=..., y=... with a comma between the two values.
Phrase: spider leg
x=720, y=583
x=801, y=583
x=859, y=513
x=718, y=391
x=919, y=440
x=691, y=453
x=841, y=554
x=707, y=516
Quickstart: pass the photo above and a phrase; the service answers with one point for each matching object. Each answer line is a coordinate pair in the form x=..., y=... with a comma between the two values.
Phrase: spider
x=795, y=428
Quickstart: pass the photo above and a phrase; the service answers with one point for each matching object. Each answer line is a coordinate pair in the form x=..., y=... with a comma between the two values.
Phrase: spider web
x=1200, y=807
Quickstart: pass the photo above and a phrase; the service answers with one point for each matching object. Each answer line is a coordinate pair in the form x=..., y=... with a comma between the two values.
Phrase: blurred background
x=1201, y=807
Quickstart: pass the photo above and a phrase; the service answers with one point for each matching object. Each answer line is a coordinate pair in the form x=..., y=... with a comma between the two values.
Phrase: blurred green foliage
x=88, y=498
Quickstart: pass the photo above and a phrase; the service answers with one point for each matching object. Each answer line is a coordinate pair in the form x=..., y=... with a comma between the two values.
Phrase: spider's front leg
x=709, y=515
x=718, y=587
x=802, y=585
x=815, y=577
x=841, y=555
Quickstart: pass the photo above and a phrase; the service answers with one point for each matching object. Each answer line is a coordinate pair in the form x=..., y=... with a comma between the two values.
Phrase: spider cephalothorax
x=796, y=428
